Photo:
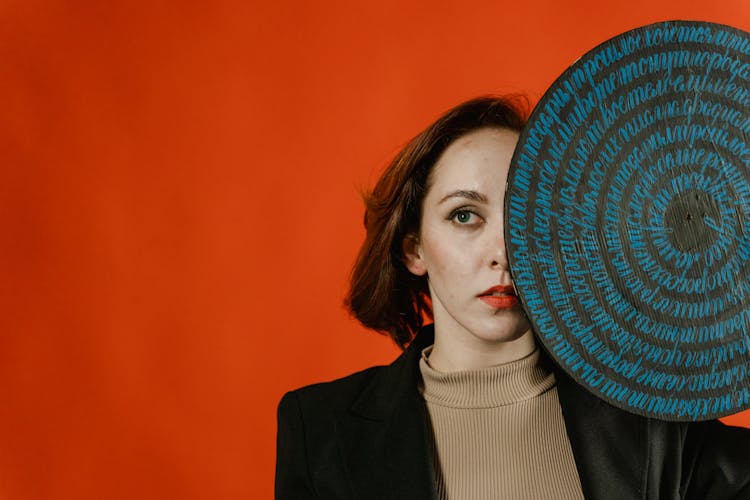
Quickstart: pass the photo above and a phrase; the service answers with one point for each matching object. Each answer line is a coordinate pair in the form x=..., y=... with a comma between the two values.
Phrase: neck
x=450, y=354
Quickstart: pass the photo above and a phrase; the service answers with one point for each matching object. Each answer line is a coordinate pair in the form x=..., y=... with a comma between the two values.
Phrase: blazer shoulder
x=306, y=452
x=371, y=393
x=334, y=395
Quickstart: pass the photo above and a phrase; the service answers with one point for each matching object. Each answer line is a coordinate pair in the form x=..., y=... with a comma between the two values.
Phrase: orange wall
x=179, y=211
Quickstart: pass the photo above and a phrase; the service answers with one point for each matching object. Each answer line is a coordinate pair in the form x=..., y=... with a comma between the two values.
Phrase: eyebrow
x=471, y=195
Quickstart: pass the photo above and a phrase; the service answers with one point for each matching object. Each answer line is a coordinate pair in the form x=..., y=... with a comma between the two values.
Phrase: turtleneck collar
x=500, y=385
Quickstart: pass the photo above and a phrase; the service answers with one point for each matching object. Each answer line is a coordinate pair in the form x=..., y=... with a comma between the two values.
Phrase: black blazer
x=365, y=437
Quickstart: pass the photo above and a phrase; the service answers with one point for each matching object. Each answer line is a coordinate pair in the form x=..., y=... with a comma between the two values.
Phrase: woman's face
x=460, y=245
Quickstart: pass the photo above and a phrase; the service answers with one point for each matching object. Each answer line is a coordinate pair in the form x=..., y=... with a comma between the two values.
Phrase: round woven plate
x=628, y=220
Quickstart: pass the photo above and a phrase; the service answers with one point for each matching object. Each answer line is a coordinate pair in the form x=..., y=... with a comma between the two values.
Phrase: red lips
x=500, y=297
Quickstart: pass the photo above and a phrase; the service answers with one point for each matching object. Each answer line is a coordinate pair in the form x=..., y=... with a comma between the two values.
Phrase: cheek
x=447, y=263
x=448, y=256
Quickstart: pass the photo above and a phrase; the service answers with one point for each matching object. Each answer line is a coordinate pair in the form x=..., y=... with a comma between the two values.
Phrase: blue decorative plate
x=628, y=220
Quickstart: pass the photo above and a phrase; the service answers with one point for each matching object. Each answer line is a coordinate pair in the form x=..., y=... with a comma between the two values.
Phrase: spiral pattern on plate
x=628, y=220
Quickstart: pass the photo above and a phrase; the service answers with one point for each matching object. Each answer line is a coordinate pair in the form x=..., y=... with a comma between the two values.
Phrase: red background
x=179, y=211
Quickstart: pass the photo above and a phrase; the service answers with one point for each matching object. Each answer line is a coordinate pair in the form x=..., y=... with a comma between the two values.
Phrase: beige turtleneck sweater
x=499, y=433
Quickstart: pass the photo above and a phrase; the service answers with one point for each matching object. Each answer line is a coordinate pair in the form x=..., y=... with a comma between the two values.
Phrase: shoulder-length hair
x=383, y=294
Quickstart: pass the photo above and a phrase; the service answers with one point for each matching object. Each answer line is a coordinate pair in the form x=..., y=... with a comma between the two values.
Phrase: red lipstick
x=500, y=297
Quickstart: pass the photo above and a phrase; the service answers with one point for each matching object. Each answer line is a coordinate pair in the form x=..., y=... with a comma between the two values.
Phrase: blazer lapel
x=610, y=446
x=385, y=437
x=385, y=434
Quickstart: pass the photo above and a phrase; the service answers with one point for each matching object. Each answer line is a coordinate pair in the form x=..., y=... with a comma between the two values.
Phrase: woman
x=472, y=408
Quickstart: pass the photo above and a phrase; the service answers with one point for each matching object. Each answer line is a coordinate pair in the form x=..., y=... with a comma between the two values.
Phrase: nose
x=498, y=254
x=500, y=259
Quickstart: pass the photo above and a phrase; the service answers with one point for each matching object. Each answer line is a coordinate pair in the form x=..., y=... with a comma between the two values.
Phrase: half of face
x=460, y=244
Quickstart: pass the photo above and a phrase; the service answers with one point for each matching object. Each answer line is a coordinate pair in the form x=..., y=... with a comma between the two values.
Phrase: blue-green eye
x=464, y=217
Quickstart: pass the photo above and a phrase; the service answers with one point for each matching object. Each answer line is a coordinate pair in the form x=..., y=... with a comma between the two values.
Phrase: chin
x=505, y=332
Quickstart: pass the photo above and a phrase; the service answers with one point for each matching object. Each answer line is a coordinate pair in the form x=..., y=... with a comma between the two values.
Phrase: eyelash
x=454, y=214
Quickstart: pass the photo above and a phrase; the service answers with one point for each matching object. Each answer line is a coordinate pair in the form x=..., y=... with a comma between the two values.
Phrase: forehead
x=479, y=159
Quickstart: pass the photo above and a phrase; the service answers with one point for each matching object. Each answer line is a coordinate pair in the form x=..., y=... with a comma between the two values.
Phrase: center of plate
x=692, y=219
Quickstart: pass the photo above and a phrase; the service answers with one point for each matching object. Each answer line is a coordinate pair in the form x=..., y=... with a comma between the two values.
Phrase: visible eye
x=464, y=217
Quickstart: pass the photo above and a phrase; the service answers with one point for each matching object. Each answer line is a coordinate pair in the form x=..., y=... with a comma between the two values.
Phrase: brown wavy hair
x=383, y=295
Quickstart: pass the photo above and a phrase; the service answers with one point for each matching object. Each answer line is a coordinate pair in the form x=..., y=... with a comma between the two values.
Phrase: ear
x=413, y=255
